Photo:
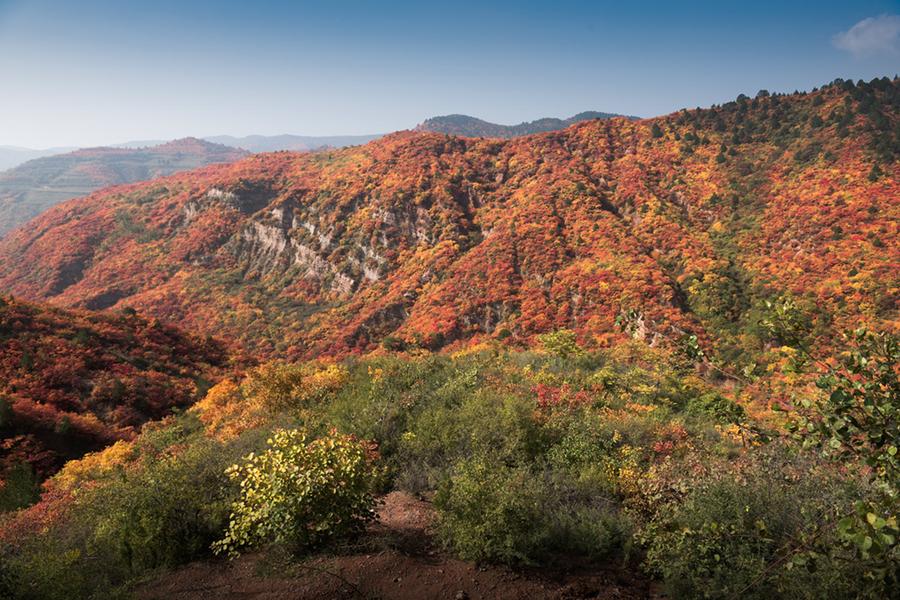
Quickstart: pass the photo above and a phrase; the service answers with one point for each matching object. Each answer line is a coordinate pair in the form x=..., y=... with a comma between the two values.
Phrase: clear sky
x=90, y=72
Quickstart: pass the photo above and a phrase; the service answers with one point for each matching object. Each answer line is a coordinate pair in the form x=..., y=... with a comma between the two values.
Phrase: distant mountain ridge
x=13, y=156
x=272, y=143
x=34, y=186
x=467, y=126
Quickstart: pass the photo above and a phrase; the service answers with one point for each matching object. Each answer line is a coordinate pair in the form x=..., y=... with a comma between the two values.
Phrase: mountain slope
x=13, y=156
x=467, y=126
x=36, y=185
x=648, y=228
x=76, y=381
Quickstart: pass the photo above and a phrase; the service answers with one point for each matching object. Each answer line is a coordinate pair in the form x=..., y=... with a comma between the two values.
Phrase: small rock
x=461, y=595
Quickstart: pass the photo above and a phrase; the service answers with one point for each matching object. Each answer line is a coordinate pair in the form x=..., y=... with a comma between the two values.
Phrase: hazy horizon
x=101, y=72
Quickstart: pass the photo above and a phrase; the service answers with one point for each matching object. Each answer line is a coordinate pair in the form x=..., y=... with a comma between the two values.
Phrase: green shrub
x=162, y=511
x=477, y=422
x=859, y=422
x=164, y=514
x=561, y=343
x=733, y=536
x=20, y=487
x=720, y=408
x=300, y=494
x=380, y=396
x=490, y=511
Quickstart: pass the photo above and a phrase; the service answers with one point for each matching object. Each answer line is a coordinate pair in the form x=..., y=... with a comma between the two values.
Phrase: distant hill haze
x=272, y=143
x=653, y=228
x=467, y=126
x=13, y=156
x=33, y=187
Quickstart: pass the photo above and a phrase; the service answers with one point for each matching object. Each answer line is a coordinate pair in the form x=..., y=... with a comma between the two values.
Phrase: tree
x=860, y=420
x=561, y=343
x=876, y=173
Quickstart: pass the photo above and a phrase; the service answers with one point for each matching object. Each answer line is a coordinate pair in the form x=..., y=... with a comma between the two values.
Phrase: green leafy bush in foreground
x=301, y=493
x=734, y=534
x=493, y=512
x=161, y=511
x=858, y=422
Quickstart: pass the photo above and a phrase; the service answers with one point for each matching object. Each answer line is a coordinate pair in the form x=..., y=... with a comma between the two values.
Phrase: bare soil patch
x=399, y=561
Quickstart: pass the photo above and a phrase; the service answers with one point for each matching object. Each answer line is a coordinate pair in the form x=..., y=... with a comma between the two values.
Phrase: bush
x=718, y=407
x=300, y=494
x=164, y=514
x=859, y=421
x=561, y=343
x=473, y=423
x=489, y=511
x=733, y=536
x=18, y=487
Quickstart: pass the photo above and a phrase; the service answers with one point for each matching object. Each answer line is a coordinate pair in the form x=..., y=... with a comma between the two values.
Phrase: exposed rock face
x=285, y=238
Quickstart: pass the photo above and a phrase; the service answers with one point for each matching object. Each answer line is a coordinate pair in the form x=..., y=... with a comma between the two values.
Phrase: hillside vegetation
x=666, y=347
x=555, y=457
x=467, y=126
x=72, y=382
x=31, y=188
x=678, y=226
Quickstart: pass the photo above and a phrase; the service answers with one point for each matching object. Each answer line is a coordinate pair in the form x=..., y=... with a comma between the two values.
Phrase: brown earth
x=400, y=561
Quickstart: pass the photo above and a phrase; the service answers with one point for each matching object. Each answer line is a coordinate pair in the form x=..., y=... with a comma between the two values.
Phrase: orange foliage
x=438, y=240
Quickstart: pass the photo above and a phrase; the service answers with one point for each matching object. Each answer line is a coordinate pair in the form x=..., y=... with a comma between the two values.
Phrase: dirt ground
x=400, y=561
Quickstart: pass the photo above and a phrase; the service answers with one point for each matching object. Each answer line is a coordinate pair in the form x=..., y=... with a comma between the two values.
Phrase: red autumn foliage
x=549, y=396
x=73, y=381
x=438, y=240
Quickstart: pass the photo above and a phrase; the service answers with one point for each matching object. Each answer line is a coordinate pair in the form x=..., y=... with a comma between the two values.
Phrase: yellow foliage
x=226, y=412
x=321, y=382
x=639, y=408
x=93, y=466
x=230, y=408
x=478, y=348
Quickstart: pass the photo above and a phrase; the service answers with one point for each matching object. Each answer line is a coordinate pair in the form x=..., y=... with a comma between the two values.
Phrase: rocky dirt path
x=400, y=561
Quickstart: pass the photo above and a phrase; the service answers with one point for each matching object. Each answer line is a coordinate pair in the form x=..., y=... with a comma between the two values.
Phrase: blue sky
x=101, y=71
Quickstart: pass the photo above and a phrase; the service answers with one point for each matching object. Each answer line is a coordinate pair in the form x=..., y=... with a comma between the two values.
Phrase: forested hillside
x=472, y=127
x=72, y=382
x=672, y=226
x=660, y=352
